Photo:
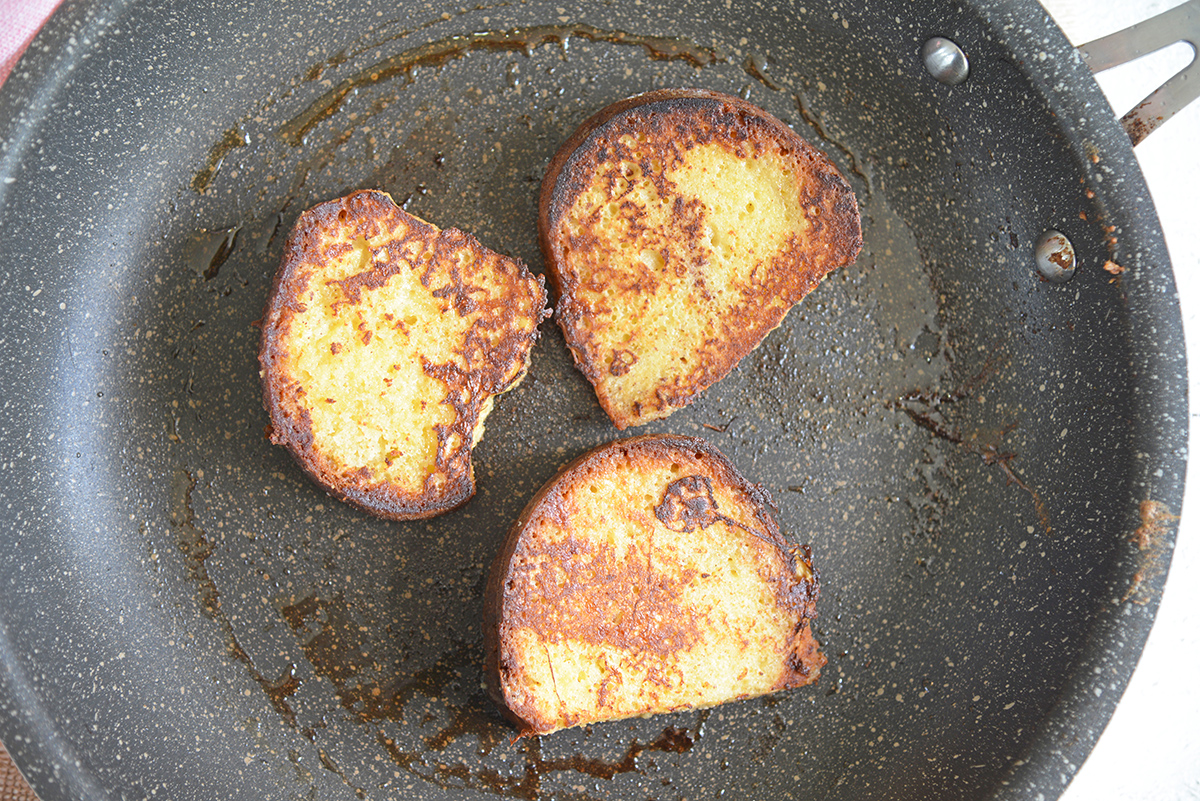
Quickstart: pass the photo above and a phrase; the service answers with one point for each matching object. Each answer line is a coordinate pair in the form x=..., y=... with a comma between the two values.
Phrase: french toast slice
x=647, y=576
x=383, y=344
x=679, y=227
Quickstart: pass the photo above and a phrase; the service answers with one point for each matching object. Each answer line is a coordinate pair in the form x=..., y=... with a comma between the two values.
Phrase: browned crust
x=803, y=661
x=492, y=367
x=672, y=121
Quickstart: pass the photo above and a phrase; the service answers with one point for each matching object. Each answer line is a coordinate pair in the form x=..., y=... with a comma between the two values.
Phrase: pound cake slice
x=648, y=576
x=383, y=343
x=679, y=227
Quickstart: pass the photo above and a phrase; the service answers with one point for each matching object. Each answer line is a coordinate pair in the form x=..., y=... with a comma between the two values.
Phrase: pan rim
x=1072, y=727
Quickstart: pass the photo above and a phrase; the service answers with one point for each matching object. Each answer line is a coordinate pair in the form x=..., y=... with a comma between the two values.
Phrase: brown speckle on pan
x=1152, y=540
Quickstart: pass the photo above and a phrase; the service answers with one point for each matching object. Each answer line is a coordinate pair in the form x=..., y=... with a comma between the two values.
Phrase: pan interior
x=950, y=433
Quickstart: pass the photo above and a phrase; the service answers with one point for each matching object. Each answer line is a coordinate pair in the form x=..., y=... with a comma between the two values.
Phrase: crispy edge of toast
x=564, y=180
x=378, y=499
x=807, y=657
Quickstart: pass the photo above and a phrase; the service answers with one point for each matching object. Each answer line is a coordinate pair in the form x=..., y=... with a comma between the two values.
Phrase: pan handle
x=1180, y=24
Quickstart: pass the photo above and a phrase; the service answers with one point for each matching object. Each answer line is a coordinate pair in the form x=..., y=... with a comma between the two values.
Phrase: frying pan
x=988, y=464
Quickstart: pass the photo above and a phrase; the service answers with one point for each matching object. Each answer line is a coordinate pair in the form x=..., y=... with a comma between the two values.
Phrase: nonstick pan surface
x=987, y=465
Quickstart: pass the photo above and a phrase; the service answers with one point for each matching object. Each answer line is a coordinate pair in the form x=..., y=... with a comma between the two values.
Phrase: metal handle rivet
x=945, y=60
x=1055, y=257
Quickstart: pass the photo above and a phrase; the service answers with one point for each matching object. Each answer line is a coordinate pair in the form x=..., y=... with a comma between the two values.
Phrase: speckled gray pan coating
x=967, y=448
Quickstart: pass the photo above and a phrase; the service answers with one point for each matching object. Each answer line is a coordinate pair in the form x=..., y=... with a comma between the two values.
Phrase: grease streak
x=528, y=784
x=233, y=138
x=330, y=639
x=196, y=547
x=924, y=409
x=436, y=53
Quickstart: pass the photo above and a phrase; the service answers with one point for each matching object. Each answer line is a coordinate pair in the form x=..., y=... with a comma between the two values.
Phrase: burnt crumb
x=688, y=504
x=622, y=360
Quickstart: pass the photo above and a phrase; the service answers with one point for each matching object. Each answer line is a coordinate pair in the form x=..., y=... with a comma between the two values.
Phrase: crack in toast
x=647, y=576
x=383, y=344
x=679, y=227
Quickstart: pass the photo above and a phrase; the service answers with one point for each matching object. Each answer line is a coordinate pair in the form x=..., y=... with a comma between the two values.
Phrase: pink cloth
x=19, y=21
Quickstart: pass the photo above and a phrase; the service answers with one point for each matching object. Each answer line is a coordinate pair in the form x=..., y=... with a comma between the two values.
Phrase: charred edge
x=691, y=491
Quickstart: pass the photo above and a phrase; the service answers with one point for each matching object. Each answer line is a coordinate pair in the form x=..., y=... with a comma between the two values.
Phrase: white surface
x=1151, y=748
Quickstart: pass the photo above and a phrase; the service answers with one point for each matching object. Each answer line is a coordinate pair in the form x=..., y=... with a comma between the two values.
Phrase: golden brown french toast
x=679, y=227
x=647, y=576
x=383, y=343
